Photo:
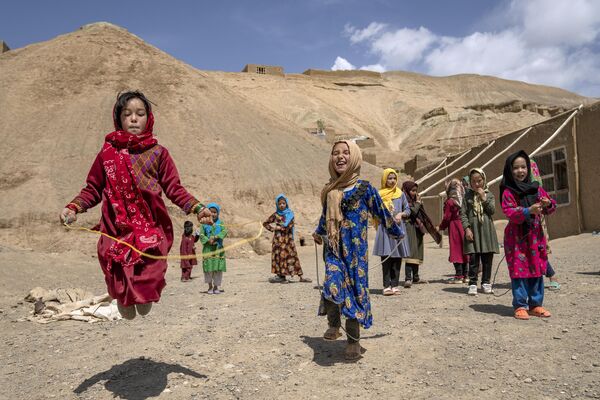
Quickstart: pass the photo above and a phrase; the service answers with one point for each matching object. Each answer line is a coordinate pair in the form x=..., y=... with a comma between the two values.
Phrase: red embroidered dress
x=129, y=176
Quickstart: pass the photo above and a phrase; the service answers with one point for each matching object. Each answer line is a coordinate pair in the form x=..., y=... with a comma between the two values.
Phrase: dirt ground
x=263, y=341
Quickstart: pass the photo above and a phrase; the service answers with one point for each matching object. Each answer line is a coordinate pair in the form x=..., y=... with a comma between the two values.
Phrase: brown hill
x=237, y=138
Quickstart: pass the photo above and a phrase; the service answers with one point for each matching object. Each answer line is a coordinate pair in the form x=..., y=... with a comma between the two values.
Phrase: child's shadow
x=498, y=309
x=328, y=353
x=136, y=379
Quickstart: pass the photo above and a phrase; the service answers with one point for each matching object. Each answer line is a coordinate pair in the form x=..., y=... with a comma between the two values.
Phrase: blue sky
x=552, y=42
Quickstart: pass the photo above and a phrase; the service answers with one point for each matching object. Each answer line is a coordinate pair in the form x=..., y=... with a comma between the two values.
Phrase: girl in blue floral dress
x=347, y=202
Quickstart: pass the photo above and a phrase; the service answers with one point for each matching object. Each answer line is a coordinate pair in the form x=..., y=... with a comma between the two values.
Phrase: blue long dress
x=347, y=276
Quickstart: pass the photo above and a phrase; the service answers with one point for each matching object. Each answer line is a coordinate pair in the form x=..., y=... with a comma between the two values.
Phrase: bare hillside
x=237, y=138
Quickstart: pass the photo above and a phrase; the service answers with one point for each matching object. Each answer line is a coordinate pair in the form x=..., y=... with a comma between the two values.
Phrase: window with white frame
x=554, y=174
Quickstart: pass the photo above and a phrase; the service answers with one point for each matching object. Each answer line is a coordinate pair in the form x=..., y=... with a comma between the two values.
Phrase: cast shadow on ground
x=136, y=379
x=459, y=289
x=498, y=309
x=328, y=353
x=589, y=273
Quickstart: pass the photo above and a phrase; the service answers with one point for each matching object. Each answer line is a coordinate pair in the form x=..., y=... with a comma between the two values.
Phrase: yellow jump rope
x=175, y=257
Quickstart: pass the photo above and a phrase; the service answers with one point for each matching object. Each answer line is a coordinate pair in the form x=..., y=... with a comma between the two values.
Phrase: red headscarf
x=133, y=221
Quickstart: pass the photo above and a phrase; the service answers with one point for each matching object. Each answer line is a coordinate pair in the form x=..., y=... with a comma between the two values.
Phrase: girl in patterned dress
x=284, y=258
x=347, y=202
x=129, y=176
x=524, y=202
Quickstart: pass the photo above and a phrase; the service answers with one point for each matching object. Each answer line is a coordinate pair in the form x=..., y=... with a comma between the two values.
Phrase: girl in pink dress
x=523, y=203
x=129, y=176
x=455, y=193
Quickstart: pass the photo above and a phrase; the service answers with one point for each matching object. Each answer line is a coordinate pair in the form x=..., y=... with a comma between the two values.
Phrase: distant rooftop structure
x=263, y=69
x=3, y=47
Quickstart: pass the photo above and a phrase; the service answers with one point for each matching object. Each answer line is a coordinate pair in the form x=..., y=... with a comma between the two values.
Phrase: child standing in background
x=553, y=283
x=415, y=230
x=213, y=260
x=451, y=221
x=284, y=258
x=391, y=250
x=187, y=248
x=523, y=203
x=481, y=240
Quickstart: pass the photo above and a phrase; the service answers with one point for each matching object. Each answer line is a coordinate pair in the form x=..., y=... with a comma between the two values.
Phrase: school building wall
x=588, y=154
x=564, y=222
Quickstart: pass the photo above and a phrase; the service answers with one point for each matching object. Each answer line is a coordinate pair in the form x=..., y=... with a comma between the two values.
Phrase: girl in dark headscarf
x=415, y=230
x=523, y=202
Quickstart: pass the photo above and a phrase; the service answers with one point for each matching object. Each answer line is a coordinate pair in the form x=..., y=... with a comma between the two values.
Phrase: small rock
x=167, y=390
x=228, y=366
x=565, y=330
x=556, y=337
x=573, y=357
x=527, y=380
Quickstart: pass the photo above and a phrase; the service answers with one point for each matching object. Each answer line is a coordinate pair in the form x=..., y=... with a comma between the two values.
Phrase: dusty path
x=261, y=340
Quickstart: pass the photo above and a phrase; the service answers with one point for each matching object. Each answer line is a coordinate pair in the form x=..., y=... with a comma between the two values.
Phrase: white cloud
x=538, y=41
x=544, y=22
x=360, y=35
x=481, y=53
x=403, y=47
x=373, y=67
x=341, y=64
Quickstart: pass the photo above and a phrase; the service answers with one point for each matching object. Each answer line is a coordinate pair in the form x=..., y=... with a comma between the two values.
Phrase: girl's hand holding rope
x=68, y=216
x=205, y=216
x=318, y=239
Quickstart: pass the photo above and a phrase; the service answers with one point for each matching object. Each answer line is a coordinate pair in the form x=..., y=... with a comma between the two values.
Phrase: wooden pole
x=580, y=224
x=543, y=145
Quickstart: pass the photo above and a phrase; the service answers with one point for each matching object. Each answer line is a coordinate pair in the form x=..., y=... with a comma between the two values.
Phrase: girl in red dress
x=129, y=176
x=455, y=193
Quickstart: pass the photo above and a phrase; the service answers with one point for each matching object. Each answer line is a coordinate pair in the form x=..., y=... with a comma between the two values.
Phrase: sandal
x=395, y=290
x=388, y=291
x=521, y=313
x=307, y=280
x=332, y=333
x=540, y=311
x=353, y=351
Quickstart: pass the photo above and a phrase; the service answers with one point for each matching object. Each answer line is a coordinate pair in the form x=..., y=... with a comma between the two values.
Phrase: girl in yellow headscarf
x=347, y=202
x=389, y=249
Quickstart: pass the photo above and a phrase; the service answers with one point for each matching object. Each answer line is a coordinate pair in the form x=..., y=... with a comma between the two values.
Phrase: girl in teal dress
x=211, y=237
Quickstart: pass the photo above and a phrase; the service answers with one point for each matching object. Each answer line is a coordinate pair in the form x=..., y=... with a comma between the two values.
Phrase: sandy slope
x=237, y=138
